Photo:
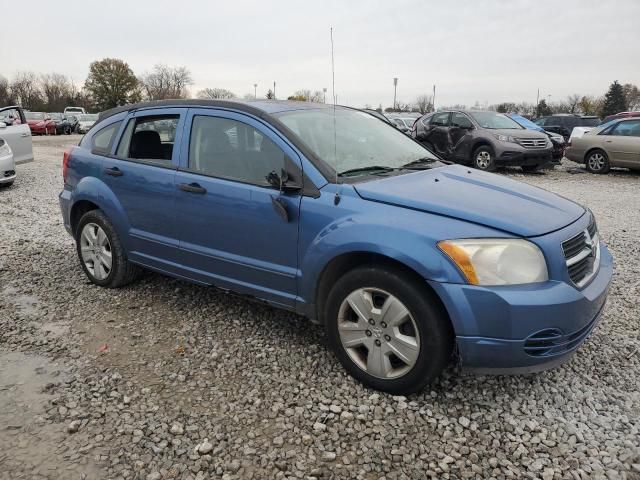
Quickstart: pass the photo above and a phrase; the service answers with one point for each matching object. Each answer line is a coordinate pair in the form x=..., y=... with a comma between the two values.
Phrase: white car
x=7, y=165
x=15, y=131
x=86, y=121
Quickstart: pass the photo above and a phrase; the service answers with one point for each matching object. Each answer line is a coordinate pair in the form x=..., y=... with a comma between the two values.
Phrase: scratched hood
x=484, y=198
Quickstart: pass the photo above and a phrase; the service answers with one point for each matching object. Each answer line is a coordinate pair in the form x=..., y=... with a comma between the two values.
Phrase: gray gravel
x=168, y=380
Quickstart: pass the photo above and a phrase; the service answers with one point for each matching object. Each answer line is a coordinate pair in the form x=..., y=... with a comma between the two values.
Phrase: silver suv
x=483, y=139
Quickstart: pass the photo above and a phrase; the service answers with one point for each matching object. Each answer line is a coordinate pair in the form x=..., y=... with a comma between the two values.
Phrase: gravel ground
x=164, y=379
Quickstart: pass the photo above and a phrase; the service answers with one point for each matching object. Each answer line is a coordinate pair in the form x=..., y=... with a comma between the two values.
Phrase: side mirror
x=282, y=182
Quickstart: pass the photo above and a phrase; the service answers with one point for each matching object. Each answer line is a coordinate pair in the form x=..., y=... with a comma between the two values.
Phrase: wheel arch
x=593, y=149
x=346, y=262
x=78, y=209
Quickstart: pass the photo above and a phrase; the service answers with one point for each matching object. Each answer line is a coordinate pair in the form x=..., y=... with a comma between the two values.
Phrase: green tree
x=111, y=83
x=614, y=100
x=543, y=109
x=270, y=95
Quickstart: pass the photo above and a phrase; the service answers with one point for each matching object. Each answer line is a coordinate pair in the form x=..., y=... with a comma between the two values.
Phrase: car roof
x=257, y=107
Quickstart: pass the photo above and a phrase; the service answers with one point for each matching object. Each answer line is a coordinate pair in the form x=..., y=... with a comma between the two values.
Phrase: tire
x=120, y=272
x=483, y=158
x=597, y=161
x=426, y=328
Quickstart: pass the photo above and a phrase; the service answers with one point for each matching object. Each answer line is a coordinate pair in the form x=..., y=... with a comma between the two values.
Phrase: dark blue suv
x=409, y=262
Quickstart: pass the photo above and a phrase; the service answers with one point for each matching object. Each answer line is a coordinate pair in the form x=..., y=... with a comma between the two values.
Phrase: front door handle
x=113, y=171
x=24, y=135
x=192, y=188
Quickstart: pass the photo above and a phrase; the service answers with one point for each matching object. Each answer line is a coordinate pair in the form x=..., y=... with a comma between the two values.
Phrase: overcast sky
x=484, y=50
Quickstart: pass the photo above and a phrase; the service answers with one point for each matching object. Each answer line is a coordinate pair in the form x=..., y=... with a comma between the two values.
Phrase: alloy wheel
x=95, y=250
x=483, y=160
x=596, y=162
x=378, y=333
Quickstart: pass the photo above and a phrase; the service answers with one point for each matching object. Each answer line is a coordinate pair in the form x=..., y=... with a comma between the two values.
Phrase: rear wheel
x=483, y=159
x=101, y=254
x=597, y=162
x=387, y=331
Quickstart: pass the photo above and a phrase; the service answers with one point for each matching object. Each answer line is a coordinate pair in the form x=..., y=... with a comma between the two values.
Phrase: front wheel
x=484, y=159
x=388, y=331
x=101, y=254
x=597, y=162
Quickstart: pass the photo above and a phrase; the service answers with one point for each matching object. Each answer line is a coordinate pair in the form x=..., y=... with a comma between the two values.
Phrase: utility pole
x=274, y=90
x=395, y=89
x=255, y=90
x=324, y=91
x=538, y=104
x=434, y=98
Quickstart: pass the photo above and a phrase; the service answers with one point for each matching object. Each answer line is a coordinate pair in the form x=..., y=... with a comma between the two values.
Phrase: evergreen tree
x=614, y=100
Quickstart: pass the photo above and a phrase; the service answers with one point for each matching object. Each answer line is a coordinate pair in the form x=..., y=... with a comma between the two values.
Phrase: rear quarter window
x=103, y=139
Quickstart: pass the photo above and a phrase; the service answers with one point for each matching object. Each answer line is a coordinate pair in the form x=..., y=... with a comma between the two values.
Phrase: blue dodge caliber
x=409, y=262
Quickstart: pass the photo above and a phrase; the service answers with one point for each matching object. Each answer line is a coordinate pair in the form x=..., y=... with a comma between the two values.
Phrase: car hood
x=483, y=198
x=87, y=124
x=35, y=122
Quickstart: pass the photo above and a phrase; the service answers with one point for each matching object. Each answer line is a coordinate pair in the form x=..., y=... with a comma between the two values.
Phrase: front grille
x=582, y=254
x=552, y=341
x=532, y=142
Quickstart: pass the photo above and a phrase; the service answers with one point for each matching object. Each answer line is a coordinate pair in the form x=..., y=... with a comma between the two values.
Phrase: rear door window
x=460, y=120
x=149, y=138
x=103, y=139
x=440, y=119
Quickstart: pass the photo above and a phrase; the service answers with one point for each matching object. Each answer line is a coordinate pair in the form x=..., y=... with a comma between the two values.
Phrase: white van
x=74, y=110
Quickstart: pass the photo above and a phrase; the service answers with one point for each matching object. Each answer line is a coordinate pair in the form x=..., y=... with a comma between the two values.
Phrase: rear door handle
x=192, y=188
x=113, y=171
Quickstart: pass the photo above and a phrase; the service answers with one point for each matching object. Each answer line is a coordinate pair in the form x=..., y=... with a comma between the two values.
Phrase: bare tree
x=166, y=82
x=573, y=102
x=57, y=91
x=26, y=91
x=632, y=94
x=216, y=93
x=424, y=103
x=317, y=96
x=6, y=97
x=590, y=105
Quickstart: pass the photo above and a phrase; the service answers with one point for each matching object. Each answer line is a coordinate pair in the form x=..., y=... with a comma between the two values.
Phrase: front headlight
x=506, y=138
x=499, y=261
x=5, y=150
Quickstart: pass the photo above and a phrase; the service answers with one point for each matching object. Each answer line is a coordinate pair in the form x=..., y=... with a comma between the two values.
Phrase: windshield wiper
x=368, y=169
x=420, y=164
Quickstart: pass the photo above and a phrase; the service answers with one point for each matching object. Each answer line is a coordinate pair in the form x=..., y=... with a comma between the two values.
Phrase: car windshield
x=353, y=139
x=90, y=117
x=604, y=126
x=34, y=115
x=494, y=121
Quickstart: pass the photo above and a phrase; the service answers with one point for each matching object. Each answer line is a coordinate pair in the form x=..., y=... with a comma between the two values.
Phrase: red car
x=620, y=115
x=40, y=123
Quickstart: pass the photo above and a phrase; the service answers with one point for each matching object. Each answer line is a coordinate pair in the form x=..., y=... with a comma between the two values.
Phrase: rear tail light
x=65, y=163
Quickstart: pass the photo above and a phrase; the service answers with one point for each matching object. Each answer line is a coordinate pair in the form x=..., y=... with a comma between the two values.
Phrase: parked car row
x=486, y=140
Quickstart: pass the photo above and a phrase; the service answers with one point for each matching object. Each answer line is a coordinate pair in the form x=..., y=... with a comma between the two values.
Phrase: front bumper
x=524, y=328
x=7, y=169
x=525, y=158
